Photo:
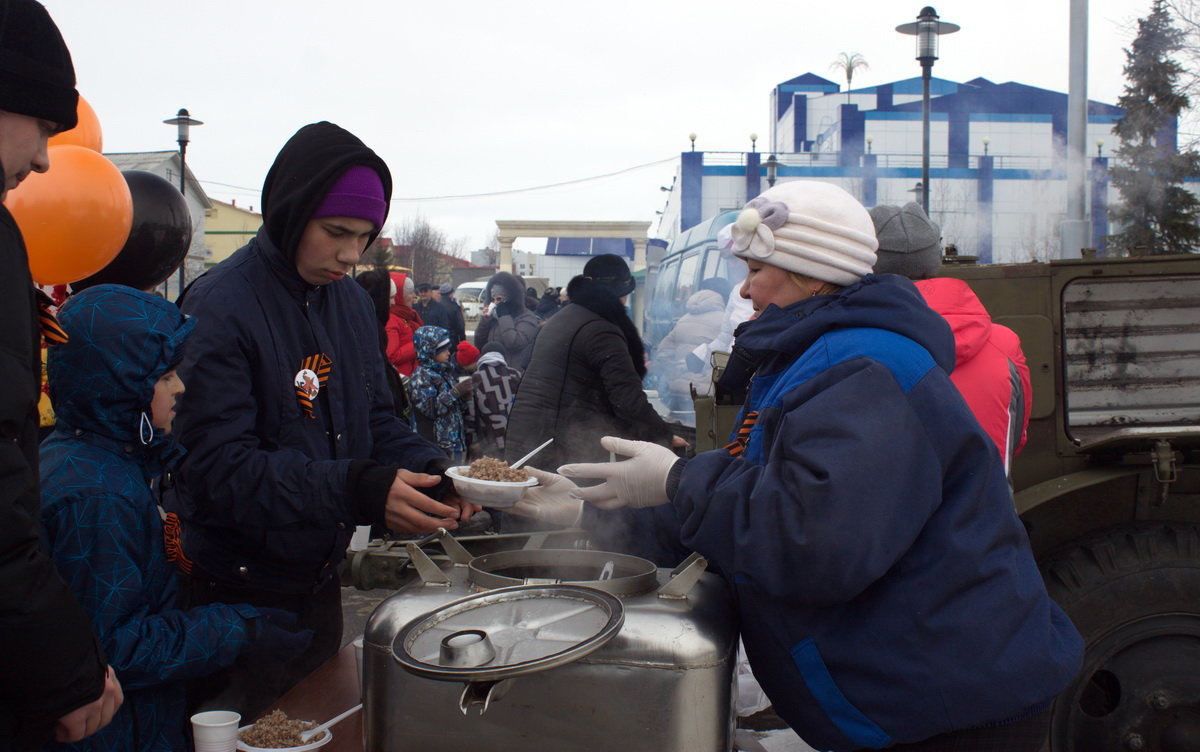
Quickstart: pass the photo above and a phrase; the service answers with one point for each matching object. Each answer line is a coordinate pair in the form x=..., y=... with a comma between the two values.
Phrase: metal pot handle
x=480, y=695
x=684, y=577
x=429, y=572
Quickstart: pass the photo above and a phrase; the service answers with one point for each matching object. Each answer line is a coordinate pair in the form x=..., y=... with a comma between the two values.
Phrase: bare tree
x=422, y=248
x=848, y=63
x=1187, y=19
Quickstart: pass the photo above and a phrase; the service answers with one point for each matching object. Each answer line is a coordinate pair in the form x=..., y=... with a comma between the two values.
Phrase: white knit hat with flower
x=808, y=227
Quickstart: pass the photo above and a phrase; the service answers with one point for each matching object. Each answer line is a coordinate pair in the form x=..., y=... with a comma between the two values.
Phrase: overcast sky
x=478, y=96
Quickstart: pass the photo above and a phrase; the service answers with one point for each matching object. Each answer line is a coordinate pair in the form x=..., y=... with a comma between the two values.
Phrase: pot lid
x=508, y=632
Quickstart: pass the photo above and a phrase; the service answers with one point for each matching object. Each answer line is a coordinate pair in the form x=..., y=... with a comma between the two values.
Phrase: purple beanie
x=358, y=193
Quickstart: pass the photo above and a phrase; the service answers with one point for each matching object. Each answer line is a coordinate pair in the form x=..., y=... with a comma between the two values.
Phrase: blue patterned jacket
x=100, y=521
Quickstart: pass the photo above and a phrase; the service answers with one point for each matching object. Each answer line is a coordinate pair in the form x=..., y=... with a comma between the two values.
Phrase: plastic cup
x=358, y=661
x=361, y=538
x=215, y=730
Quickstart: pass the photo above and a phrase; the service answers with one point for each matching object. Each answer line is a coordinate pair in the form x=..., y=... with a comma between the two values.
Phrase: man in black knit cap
x=56, y=678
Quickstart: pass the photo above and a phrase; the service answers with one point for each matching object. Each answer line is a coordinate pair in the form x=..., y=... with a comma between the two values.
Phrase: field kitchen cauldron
x=554, y=649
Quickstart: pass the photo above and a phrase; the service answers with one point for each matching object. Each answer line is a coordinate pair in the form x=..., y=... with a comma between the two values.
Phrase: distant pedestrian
x=548, y=305
x=584, y=379
x=456, y=323
x=403, y=321
x=378, y=285
x=493, y=388
x=507, y=320
x=429, y=307
x=437, y=399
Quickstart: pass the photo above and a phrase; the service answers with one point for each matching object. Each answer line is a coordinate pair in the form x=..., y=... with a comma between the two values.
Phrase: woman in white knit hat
x=885, y=587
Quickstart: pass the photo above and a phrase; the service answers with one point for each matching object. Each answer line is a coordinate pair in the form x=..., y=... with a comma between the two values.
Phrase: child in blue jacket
x=113, y=385
x=437, y=399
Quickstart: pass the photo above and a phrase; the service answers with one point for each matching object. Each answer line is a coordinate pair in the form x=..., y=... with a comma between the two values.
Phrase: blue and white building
x=998, y=184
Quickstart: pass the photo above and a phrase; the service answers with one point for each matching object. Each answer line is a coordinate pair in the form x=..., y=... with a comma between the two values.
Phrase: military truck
x=1108, y=483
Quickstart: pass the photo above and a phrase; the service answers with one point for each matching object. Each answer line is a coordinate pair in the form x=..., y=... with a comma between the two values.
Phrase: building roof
x=159, y=163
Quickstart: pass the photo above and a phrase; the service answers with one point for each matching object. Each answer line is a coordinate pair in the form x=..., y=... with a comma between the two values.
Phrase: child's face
x=162, y=406
x=443, y=356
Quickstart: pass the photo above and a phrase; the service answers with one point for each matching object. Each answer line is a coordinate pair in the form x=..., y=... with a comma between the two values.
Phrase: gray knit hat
x=910, y=244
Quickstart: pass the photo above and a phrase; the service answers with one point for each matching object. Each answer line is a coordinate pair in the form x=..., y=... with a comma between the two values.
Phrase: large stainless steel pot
x=659, y=681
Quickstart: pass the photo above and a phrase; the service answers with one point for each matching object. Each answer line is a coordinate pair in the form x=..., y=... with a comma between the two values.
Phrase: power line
x=540, y=187
x=508, y=192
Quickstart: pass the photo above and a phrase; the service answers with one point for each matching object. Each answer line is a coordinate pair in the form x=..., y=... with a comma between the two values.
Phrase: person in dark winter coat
x=288, y=419
x=584, y=379
x=507, y=320
x=378, y=284
x=429, y=307
x=438, y=401
x=493, y=388
x=989, y=367
x=886, y=592
x=57, y=682
x=548, y=305
x=114, y=387
x=456, y=323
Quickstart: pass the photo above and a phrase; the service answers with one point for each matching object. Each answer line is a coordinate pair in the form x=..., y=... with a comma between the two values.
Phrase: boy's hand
x=408, y=510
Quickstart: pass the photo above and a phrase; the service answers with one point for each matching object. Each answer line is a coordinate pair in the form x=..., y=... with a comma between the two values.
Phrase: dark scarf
x=596, y=298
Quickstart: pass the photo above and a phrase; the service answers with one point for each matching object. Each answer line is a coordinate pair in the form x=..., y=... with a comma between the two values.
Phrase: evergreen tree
x=1157, y=214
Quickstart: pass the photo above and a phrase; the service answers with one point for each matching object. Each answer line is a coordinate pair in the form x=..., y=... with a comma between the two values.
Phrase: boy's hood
x=121, y=340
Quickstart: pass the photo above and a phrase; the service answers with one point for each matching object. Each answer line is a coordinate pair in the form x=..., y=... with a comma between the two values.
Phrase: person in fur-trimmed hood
x=584, y=378
x=507, y=321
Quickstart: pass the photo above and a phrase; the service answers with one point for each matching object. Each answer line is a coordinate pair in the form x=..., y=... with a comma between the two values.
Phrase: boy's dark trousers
x=251, y=687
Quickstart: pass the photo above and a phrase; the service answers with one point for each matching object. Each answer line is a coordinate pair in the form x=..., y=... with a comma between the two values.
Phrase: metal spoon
x=306, y=735
x=529, y=456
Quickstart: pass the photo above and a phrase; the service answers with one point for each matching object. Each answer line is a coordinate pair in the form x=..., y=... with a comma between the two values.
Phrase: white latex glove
x=550, y=502
x=640, y=481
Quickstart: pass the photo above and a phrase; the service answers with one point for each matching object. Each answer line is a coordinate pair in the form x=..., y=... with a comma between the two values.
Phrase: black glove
x=274, y=636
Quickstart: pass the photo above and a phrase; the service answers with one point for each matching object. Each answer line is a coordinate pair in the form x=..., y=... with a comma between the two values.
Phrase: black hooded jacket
x=584, y=382
x=47, y=646
x=272, y=488
x=510, y=323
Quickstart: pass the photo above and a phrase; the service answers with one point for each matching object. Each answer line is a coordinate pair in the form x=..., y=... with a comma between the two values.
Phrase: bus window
x=660, y=316
x=687, y=283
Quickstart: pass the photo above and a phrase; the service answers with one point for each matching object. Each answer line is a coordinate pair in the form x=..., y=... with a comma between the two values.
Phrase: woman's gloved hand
x=640, y=481
x=274, y=635
x=551, y=502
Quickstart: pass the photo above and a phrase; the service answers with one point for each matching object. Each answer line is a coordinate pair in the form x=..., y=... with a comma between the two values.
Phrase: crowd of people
x=173, y=545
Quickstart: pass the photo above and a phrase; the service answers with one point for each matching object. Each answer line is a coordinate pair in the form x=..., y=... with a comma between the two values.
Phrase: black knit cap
x=611, y=272
x=36, y=75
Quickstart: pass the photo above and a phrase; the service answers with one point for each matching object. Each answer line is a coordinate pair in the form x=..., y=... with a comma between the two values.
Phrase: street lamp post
x=772, y=164
x=184, y=121
x=927, y=28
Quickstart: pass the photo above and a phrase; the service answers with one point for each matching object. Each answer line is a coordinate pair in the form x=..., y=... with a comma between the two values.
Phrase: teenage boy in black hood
x=288, y=419
x=54, y=671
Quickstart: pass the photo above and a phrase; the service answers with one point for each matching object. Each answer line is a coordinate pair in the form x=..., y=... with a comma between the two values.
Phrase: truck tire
x=1133, y=592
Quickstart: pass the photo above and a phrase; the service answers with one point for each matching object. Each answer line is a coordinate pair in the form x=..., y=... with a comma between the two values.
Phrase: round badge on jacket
x=306, y=381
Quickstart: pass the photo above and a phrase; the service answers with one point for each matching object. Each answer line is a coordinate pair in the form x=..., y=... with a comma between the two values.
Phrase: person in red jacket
x=989, y=368
x=402, y=322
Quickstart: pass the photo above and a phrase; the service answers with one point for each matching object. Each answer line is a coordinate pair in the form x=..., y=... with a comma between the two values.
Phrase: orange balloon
x=75, y=218
x=86, y=133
